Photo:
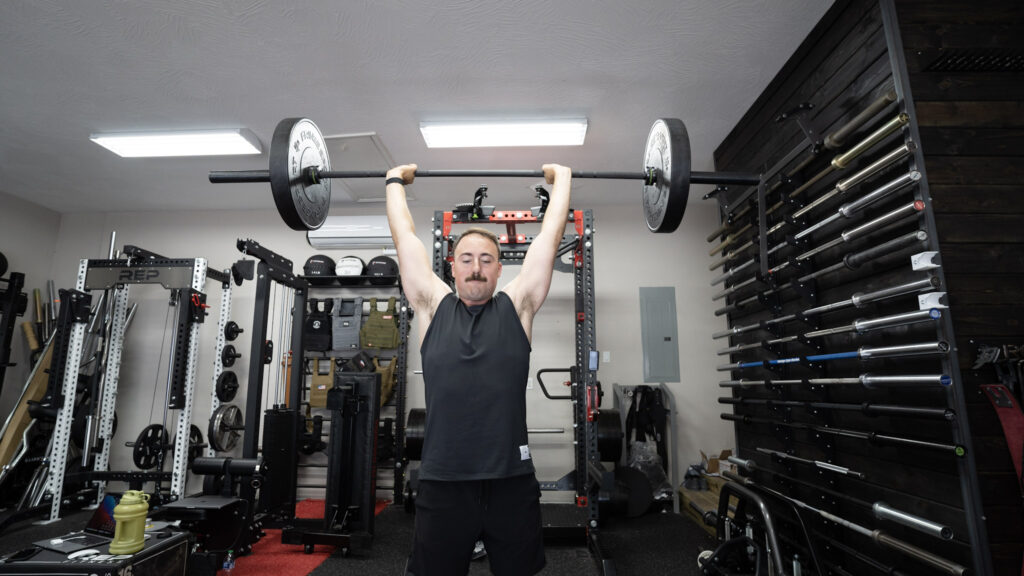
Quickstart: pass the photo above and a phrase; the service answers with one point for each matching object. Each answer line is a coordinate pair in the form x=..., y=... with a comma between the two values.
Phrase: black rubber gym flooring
x=650, y=545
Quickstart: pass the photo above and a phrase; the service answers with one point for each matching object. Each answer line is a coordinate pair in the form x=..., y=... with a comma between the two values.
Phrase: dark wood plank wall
x=966, y=71
x=972, y=216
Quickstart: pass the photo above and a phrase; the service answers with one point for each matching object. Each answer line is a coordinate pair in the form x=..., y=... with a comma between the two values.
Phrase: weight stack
x=282, y=430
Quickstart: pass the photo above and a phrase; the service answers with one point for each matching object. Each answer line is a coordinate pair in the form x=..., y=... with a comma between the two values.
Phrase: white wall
x=627, y=257
x=28, y=236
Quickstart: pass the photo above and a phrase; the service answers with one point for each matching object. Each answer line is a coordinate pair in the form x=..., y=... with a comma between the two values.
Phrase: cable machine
x=354, y=402
x=185, y=278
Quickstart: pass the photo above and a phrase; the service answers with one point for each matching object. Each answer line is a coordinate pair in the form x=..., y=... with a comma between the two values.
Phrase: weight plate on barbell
x=228, y=356
x=232, y=330
x=225, y=426
x=195, y=442
x=227, y=386
x=296, y=146
x=150, y=447
x=668, y=153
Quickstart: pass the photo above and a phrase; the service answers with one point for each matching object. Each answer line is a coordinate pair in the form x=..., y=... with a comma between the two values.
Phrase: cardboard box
x=713, y=464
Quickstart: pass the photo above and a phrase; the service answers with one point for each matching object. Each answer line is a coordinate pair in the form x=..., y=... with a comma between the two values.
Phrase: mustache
x=476, y=277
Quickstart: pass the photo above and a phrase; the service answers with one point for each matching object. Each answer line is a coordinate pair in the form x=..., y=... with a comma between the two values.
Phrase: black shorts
x=452, y=516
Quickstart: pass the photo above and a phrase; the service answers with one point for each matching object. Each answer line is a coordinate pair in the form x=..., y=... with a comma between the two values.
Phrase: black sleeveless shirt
x=476, y=360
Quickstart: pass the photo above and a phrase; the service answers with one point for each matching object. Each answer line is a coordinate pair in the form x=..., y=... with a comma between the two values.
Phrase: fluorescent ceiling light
x=513, y=133
x=195, y=143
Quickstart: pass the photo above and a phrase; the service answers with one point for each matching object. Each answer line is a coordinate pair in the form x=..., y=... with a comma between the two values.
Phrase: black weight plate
x=3, y=264
x=228, y=356
x=668, y=153
x=297, y=145
x=609, y=435
x=232, y=330
x=227, y=386
x=149, y=447
x=195, y=442
x=634, y=490
x=415, y=426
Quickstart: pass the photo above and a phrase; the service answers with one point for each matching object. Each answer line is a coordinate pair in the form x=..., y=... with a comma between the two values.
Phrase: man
x=476, y=478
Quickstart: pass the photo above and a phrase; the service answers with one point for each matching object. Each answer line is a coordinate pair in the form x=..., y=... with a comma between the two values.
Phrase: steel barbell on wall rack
x=300, y=174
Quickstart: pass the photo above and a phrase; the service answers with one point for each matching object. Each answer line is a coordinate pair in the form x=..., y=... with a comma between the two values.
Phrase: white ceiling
x=71, y=68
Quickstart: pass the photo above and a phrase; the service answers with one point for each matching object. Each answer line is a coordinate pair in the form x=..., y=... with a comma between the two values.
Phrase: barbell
x=300, y=174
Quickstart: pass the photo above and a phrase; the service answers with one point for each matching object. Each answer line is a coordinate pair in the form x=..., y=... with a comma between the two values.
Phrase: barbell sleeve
x=847, y=235
x=841, y=187
x=885, y=512
x=850, y=208
x=845, y=211
x=937, y=562
x=873, y=380
x=868, y=408
x=854, y=260
x=863, y=325
x=881, y=510
x=937, y=347
x=877, y=136
x=838, y=137
x=864, y=352
x=860, y=299
x=841, y=161
x=957, y=450
x=877, y=536
x=239, y=176
x=816, y=463
x=850, y=261
x=866, y=380
x=844, y=185
x=859, y=326
x=834, y=140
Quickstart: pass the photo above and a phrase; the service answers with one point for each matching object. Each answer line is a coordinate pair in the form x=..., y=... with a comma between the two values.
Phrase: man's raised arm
x=529, y=290
x=422, y=287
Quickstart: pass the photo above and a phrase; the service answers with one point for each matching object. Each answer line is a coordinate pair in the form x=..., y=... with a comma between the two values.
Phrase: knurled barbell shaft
x=241, y=176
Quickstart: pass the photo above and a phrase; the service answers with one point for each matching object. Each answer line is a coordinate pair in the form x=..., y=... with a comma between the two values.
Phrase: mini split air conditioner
x=340, y=232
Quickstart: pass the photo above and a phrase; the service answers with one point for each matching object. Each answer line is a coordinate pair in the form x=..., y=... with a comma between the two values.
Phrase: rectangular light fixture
x=194, y=143
x=567, y=132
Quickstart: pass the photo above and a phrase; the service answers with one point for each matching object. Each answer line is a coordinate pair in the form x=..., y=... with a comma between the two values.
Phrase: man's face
x=476, y=269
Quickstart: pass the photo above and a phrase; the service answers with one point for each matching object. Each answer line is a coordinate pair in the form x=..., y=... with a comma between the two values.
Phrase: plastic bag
x=643, y=455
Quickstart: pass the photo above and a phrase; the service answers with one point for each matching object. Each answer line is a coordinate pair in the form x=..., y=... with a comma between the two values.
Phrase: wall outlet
x=606, y=356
